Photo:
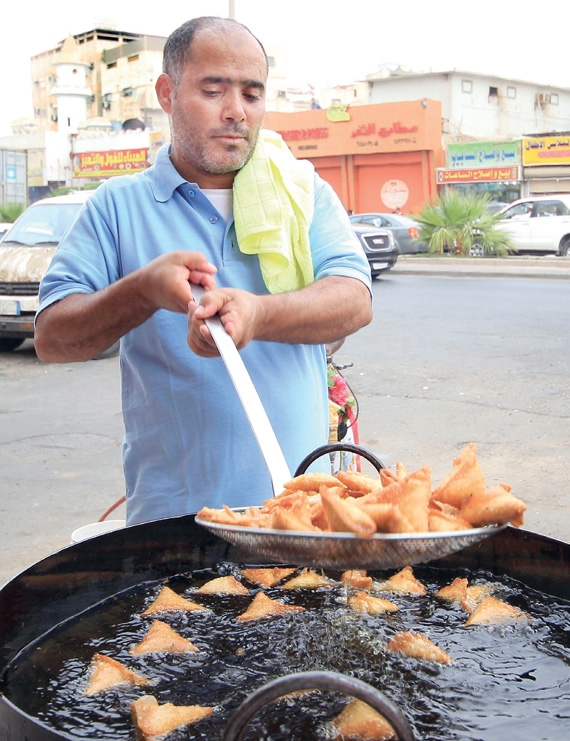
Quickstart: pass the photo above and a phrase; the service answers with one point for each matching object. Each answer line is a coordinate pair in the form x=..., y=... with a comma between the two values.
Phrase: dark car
x=404, y=229
x=379, y=246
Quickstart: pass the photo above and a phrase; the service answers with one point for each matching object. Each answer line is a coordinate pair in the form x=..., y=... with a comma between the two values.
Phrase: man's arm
x=328, y=309
x=82, y=325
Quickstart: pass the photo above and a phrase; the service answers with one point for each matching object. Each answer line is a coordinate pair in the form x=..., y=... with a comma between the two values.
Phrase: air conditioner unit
x=542, y=99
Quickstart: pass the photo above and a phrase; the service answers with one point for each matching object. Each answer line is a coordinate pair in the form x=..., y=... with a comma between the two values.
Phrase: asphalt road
x=449, y=359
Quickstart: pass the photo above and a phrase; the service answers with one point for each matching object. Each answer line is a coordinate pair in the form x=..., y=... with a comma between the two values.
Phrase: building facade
x=479, y=107
x=377, y=158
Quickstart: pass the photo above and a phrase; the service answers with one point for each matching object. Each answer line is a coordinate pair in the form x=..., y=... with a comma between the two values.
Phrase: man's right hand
x=166, y=280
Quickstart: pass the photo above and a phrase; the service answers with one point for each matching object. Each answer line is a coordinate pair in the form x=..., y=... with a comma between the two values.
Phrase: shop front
x=378, y=158
x=494, y=168
x=546, y=164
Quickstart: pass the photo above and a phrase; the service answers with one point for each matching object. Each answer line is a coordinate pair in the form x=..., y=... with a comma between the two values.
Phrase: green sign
x=462, y=155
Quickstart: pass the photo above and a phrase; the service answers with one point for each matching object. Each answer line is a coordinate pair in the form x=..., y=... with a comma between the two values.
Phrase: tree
x=461, y=223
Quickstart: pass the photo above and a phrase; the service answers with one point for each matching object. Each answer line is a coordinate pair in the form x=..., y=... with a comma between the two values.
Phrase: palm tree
x=462, y=224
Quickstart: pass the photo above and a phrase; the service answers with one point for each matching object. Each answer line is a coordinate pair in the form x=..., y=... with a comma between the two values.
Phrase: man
x=126, y=270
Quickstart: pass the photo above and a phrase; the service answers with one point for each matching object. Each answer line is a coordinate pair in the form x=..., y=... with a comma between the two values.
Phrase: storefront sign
x=483, y=154
x=368, y=129
x=394, y=194
x=546, y=150
x=478, y=175
x=106, y=164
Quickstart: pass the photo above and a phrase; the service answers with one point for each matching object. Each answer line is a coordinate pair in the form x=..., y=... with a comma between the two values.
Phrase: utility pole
x=232, y=10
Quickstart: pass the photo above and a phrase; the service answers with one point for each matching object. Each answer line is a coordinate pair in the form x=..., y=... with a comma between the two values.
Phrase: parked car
x=539, y=224
x=26, y=250
x=404, y=229
x=379, y=246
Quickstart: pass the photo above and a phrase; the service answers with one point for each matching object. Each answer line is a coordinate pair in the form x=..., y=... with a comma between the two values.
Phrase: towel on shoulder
x=273, y=196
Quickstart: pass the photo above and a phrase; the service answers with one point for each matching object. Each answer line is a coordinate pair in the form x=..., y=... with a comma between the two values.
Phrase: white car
x=26, y=250
x=539, y=224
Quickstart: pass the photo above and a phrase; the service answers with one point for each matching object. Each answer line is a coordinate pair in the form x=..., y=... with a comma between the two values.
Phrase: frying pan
x=69, y=582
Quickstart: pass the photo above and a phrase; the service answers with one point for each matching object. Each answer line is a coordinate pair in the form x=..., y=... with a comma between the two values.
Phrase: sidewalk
x=531, y=266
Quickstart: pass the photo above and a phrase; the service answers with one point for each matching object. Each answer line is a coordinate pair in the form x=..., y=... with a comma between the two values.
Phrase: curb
x=543, y=268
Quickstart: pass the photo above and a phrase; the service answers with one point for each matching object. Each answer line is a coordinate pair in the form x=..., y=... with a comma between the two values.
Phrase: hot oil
x=510, y=679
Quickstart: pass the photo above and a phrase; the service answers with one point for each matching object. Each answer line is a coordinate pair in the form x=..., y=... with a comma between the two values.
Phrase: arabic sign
x=483, y=154
x=546, y=150
x=105, y=164
x=478, y=175
x=394, y=193
x=354, y=130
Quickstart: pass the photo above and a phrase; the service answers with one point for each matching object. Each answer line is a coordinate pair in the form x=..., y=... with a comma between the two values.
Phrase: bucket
x=95, y=528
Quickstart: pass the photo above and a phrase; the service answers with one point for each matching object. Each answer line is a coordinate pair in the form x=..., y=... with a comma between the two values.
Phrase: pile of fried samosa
x=399, y=502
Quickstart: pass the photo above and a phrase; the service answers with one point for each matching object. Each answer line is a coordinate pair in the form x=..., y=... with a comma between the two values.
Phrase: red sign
x=105, y=164
x=478, y=175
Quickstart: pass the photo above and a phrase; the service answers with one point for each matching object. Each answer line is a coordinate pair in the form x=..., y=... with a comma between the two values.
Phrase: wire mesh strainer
x=345, y=550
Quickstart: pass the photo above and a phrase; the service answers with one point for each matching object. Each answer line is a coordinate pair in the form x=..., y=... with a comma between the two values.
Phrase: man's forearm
x=328, y=309
x=82, y=325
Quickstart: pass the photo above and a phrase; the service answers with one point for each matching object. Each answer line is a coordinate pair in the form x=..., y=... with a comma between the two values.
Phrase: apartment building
x=478, y=107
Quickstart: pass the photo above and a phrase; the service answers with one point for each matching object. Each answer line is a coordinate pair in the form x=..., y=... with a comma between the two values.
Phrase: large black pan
x=81, y=575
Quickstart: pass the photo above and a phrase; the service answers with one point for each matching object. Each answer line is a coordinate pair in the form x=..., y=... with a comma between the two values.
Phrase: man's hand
x=328, y=309
x=238, y=311
x=166, y=280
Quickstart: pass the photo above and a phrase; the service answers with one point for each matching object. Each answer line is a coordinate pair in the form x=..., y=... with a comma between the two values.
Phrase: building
x=376, y=157
x=478, y=107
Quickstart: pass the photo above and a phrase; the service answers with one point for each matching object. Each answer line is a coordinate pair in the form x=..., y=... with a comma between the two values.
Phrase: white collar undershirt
x=221, y=198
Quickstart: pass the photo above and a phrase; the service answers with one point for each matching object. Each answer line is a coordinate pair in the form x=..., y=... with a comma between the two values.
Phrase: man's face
x=217, y=107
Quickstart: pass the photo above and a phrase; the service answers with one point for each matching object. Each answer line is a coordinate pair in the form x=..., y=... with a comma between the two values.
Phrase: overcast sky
x=328, y=41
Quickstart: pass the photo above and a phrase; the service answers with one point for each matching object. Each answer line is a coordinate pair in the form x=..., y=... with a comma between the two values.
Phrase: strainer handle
x=322, y=680
x=332, y=448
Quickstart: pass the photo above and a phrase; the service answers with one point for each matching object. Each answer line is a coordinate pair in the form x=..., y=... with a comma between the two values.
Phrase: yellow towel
x=273, y=198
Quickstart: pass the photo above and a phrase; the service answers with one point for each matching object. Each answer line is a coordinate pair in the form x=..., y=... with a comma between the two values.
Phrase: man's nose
x=234, y=108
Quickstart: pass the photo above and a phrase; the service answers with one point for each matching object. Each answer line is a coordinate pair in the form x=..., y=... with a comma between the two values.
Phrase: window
x=493, y=92
x=554, y=98
x=521, y=210
x=111, y=65
x=271, y=61
x=466, y=86
x=551, y=208
x=133, y=58
x=511, y=92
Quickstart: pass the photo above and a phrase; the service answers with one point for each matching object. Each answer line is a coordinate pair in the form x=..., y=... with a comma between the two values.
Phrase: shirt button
x=213, y=219
x=191, y=193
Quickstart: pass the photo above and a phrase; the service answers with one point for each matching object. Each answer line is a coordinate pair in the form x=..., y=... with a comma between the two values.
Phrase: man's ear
x=165, y=92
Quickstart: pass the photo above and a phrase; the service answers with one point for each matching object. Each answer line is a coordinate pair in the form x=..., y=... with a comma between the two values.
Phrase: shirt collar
x=163, y=177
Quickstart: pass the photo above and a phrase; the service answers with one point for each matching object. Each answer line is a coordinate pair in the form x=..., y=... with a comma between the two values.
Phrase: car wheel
x=565, y=248
x=7, y=344
x=476, y=250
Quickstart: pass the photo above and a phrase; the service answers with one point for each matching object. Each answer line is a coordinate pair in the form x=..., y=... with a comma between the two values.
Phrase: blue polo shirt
x=187, y=441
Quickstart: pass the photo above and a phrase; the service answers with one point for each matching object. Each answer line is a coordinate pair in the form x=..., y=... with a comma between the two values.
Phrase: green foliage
x=9, y=212
x=458, y=223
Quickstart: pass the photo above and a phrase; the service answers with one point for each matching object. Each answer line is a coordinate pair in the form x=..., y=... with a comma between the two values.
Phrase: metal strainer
x=346, y=551
x=326, y=550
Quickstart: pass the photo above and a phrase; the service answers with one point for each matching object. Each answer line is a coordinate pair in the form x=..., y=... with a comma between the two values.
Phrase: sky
x=328, y=41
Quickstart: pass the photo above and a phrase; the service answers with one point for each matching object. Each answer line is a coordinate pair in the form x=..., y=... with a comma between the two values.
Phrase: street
x=449, y=361
x=446, y=361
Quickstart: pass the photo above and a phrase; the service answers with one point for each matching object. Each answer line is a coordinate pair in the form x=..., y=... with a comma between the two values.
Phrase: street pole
x=232, y=10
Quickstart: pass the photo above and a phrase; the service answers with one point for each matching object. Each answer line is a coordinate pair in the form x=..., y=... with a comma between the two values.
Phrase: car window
x=550, y=208
x=520, y=210
x=43, y=224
